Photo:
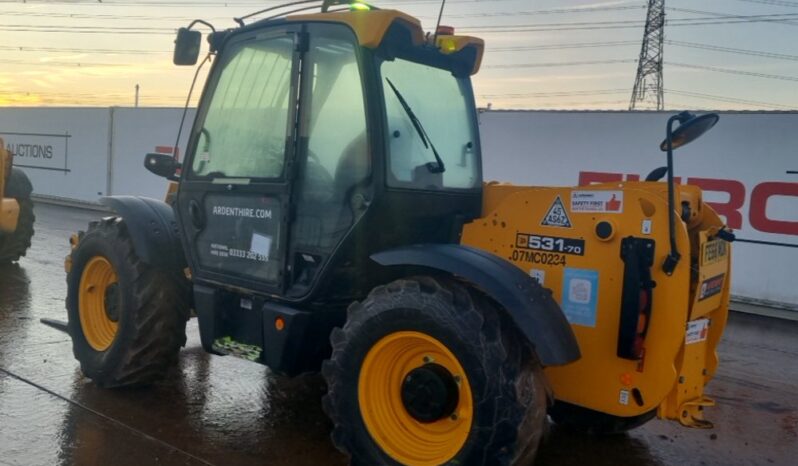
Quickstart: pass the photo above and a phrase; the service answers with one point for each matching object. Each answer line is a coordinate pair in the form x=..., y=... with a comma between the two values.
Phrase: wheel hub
x=430, y=393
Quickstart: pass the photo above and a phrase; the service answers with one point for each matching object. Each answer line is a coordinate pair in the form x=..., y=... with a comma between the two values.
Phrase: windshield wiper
x=438, y=166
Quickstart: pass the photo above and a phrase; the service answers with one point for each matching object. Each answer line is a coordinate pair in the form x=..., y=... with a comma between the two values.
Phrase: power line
x=620, y=43
x=565, y=63
x=22, y=48
x=733, y=100
x=546, y=12
x=698, y=95
x=724, y=15
x=86, y=30
x=782, y=18
x=717, y=48
x=556, y=94
x=564, y=46
x=733, y=71
x=773, y=2
x=64, y=64
x=574, y=105
x=674, y=64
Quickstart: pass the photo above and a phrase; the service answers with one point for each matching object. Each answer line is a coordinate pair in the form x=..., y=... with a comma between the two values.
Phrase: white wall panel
x=137, y=131
x=64, y=151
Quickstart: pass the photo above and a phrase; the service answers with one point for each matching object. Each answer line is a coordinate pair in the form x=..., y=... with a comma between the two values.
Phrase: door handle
x=196, y=215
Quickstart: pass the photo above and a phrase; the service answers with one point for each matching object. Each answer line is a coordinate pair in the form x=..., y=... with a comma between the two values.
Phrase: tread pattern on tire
x=157, y=305
x=518, y=418
x=15, y=245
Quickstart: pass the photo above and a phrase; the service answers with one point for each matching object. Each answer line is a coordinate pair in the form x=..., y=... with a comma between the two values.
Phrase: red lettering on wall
x=730, y=209
x=759, y=202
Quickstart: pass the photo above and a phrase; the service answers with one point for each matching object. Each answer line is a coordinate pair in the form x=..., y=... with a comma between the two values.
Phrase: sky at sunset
x=546, y=54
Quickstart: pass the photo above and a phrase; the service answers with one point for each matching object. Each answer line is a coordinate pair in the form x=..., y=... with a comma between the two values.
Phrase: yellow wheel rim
x=401, y=436
x=98, y=328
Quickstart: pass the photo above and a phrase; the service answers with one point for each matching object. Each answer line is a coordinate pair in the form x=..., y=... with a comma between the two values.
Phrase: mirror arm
x=199, y=21
x=175, y=177
x=673, y=257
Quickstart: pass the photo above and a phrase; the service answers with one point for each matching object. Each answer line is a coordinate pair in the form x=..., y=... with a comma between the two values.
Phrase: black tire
x=506, y=379
x=15, y=245
x=578, y=418
x=152, y=304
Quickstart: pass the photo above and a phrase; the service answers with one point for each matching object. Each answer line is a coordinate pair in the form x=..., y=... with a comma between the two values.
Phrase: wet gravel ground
x=225, y=411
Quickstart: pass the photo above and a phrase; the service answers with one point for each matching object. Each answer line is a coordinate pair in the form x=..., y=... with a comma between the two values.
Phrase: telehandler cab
x=331, y=214
x=16, y=209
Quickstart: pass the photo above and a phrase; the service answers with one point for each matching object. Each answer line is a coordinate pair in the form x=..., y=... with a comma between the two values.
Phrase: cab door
x=233, y=201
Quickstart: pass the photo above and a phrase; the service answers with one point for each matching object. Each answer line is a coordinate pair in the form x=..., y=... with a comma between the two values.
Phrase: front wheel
x=428, y=372
x=127, y=318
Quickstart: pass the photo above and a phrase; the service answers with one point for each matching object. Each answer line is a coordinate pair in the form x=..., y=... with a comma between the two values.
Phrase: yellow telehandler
x=16, y=209
x=330, y=214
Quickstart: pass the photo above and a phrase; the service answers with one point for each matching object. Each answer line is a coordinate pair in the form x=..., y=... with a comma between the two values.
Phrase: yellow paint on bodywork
x=9, y=208
x=9, y=215
x=5, y=166
x=371, y=26
x=601, y=380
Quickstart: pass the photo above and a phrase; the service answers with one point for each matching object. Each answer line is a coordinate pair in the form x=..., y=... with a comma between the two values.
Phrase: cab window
x=244, y=130
x=443, y=105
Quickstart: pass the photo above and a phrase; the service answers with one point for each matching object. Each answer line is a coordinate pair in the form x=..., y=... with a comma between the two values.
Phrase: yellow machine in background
x=16, y=209
x=647, y=339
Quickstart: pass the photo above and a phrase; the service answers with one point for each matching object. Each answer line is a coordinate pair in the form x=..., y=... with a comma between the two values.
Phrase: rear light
x=638, y=257
x=445, y=31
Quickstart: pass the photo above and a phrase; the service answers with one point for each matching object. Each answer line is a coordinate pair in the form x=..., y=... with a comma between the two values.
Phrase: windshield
x=244, y=131
x=443, y=105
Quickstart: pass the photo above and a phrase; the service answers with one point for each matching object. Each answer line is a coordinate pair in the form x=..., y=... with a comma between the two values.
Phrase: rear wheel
x=127, y=319
x=427, y=372
x=595, y=422
x=14, y=245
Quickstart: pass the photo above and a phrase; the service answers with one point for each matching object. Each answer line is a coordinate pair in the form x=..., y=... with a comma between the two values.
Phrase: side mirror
x=163, y=165
x=187, y=47
x=690, y=128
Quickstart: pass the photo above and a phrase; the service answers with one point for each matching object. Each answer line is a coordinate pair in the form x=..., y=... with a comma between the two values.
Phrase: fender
x=536, y=314
x=152, y=227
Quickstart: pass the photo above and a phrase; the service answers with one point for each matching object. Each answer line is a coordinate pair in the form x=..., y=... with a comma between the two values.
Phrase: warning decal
x=710, y=287
x=557, y=216
x=696, y=331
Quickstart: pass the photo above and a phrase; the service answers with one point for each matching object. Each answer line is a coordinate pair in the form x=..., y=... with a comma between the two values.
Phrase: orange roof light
x=445, y=31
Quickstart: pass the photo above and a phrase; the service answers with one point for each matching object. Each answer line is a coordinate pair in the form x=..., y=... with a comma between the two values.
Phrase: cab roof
x=372, y=26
